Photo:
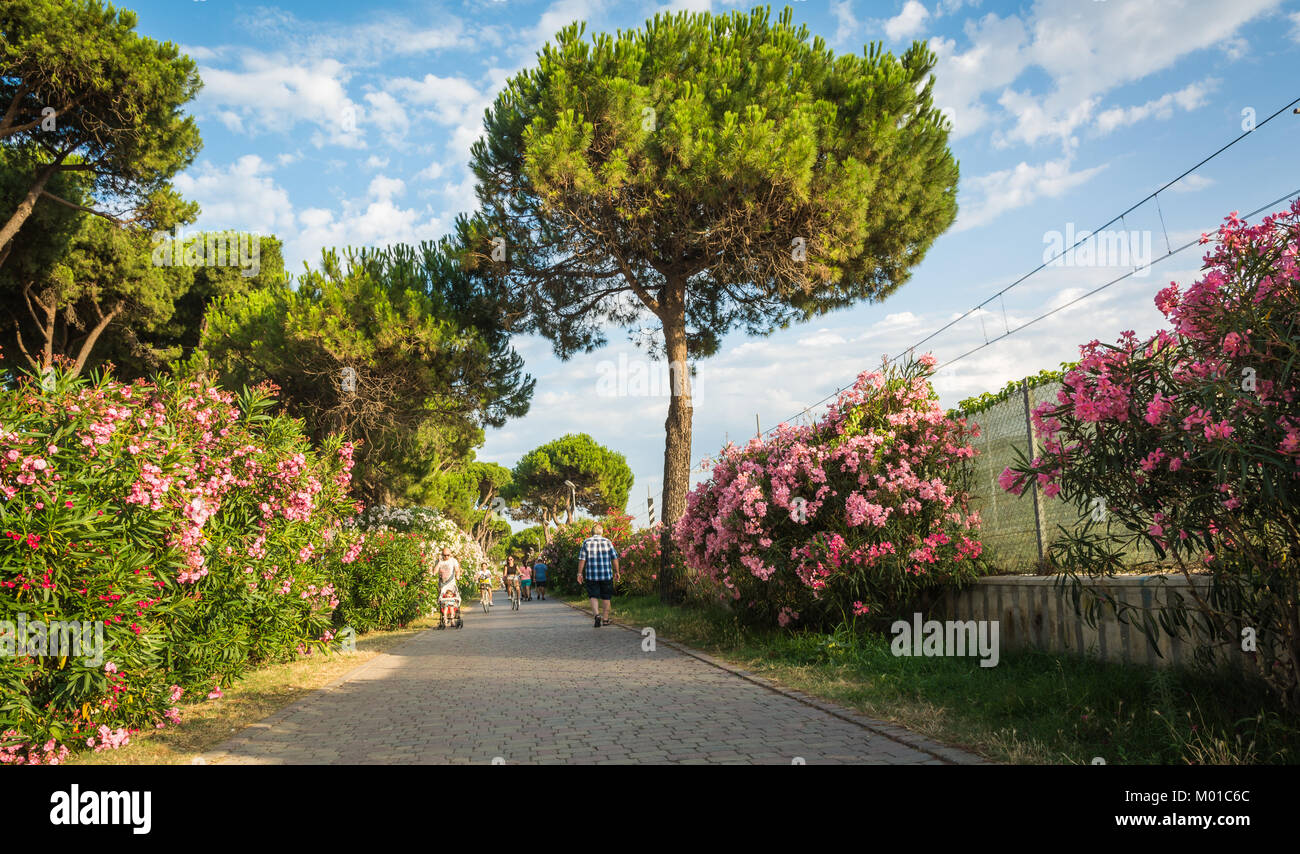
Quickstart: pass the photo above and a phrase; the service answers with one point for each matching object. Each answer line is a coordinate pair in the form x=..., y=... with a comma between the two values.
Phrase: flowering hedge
x=386, y=573
x=1189, y=441
x=181, y=524
x=861, y=512
x=641, y=559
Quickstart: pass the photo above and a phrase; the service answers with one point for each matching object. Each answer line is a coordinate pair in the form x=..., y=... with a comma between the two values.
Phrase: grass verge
x=1034, y=707
x=262, y=692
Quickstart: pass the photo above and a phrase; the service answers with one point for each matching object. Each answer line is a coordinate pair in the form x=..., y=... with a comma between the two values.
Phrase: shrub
x=1189, y=442
x=386, y=571
x=862, y=512
x=184, y=521
x=641, y=562
x=388, y=583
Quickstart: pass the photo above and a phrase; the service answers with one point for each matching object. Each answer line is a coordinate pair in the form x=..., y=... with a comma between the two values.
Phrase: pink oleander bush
x=859, y=514
x=186, y=522
x=1189, y=441
x=640, y=564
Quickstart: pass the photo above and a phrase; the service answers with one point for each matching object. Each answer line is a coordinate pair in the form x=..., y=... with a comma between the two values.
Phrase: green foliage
x=988, y=400
x=601, y=479
x=524, y=544
x=363, y=354
x=389, y=583
x=119, y=102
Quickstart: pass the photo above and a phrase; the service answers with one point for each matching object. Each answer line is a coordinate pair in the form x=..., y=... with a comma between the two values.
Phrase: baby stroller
x=449, y=598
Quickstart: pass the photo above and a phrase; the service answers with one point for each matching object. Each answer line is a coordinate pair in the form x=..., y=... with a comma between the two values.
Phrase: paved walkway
x=541, y=685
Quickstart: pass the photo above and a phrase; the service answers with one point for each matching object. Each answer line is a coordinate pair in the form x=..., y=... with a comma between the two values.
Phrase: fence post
x=1033, y=452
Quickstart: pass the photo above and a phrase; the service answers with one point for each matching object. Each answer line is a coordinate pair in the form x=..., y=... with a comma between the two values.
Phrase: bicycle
x=514, y=594
x=484, y=593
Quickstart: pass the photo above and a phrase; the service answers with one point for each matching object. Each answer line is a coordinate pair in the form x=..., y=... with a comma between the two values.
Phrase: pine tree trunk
x=25, y=207
x=677, y=428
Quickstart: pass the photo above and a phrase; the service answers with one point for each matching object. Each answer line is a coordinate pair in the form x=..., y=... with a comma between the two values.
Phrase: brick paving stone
x=542, y=686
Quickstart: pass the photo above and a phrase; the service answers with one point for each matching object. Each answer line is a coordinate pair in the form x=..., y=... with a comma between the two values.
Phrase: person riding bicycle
x=512, y=578
x=484, y=579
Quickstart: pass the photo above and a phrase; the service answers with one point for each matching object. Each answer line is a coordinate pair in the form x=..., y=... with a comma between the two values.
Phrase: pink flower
x=1009, y=481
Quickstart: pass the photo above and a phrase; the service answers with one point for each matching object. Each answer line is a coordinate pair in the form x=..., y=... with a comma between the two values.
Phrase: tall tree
x=81, y=91
x=540, y=483
x=707, y=173
x=358, y=353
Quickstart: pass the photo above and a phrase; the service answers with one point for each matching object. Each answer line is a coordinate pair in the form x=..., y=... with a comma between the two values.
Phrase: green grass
x=1033, y=707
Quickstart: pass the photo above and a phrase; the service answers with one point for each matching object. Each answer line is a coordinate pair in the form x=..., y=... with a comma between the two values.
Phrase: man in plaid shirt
x=598, y=570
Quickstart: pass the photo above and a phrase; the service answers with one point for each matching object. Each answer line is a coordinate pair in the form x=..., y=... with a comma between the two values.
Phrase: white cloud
x=994, y=59
x=269, y=93
x=1034, y=121
x=999, y=192
x=384, y=188
x=1191, y=184
x=908, y=22
x=374, y=161
x=1085, y=50
x=432, y=172
x=242, y=196
x=388, y=116
x=382, y=34
x=375, y=221
x=1189, y=98
x=846, y=25
x=451, y=98
x=1295, y=26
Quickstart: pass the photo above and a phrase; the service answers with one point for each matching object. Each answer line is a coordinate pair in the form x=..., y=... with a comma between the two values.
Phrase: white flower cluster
x=438, y=531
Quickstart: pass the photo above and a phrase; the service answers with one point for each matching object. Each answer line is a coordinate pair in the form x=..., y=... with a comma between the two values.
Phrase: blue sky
x=332, y=124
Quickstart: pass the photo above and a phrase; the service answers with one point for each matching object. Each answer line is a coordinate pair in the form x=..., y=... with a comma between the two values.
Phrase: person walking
x=598, y=571
x=526, y=579
x=539, y=579
x=448, y=570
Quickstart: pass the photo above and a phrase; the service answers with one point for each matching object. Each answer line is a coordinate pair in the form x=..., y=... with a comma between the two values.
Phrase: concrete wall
x=1033, y=611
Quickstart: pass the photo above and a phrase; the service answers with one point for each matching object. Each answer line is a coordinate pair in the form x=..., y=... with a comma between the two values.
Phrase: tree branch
x=23, y=91
x=84, y=209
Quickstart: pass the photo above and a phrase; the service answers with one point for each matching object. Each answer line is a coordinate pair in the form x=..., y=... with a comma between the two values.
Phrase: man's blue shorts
x=603, y=589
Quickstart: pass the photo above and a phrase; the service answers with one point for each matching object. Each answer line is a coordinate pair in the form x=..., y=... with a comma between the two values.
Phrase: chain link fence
x=1018, y=530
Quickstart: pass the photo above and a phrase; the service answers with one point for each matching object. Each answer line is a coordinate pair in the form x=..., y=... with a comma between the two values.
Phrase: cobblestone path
x=541, y=685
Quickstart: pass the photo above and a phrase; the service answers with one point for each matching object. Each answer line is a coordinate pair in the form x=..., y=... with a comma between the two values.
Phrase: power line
x=1101, y=288
x=1118, y=217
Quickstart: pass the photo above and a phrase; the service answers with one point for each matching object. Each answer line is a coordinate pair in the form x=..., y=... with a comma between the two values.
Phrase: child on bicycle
x=484, y=578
